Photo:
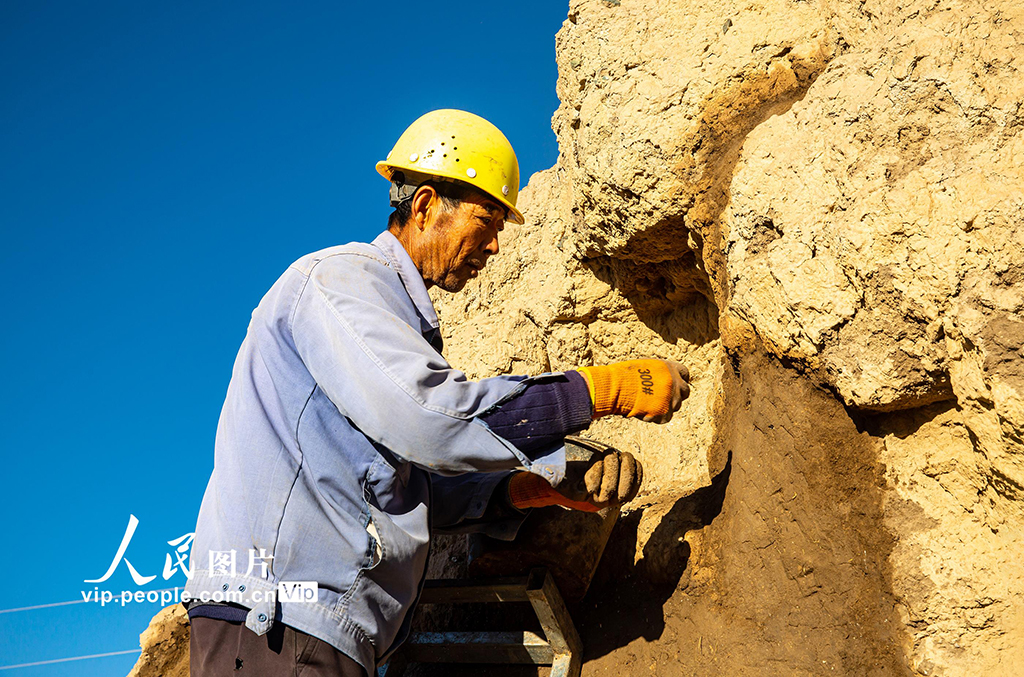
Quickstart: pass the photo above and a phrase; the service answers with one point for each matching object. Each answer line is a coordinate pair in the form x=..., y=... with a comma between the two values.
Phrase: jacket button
x=224, y=587
x=241, y=588
x=262, y=618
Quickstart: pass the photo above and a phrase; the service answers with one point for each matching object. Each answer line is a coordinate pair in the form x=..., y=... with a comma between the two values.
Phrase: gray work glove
x=604, y=479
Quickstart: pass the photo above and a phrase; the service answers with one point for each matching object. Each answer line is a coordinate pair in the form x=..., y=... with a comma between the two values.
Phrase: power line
x=73, y=658
x=41, y=606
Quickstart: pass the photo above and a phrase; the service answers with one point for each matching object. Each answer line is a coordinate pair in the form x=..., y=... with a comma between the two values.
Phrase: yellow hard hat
x=455, y=145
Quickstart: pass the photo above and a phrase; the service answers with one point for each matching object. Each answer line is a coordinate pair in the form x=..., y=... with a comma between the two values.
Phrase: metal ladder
x=560, y=648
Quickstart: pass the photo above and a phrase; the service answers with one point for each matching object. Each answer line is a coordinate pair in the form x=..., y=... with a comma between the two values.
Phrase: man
x=346, y=439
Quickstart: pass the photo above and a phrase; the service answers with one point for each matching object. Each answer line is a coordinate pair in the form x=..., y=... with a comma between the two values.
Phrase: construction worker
x=346, y=439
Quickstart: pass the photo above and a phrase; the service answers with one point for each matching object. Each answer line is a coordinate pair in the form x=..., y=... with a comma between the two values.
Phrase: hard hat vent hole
x=445, y=155
x=456, y=159
x=442, y=143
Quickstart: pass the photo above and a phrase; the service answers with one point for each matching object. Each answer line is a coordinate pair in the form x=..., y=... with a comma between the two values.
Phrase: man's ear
x=423, y=205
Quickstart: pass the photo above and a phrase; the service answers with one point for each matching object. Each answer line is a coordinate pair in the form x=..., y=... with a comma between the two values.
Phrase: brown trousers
x=220, y=648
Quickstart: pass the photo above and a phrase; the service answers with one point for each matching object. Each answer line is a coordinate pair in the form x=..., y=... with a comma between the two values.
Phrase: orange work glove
x=647, y=389
x=614, y=477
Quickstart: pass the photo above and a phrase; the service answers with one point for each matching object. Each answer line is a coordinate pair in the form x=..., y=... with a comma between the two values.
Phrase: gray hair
x=451, y=193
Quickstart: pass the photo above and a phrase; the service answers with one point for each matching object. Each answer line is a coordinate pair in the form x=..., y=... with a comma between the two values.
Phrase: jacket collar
x=402, y=262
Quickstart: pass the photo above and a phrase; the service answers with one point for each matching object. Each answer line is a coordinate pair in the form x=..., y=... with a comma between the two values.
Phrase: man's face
x=462, y=241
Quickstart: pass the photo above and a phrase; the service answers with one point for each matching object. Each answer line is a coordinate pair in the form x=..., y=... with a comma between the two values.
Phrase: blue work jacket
x=345, y=437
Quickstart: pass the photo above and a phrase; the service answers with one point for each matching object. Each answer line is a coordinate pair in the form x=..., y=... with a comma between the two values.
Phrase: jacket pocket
x=389, y=585
x=375, y=548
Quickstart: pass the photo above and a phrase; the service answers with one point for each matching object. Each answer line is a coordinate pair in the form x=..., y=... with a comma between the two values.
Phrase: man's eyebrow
x=494, y=210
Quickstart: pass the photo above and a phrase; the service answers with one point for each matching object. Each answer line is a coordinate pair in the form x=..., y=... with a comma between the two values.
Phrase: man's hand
x=651, y=390
x=680, y=391
x=606, y=479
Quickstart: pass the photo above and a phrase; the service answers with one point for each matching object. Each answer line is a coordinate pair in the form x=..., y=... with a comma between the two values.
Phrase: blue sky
x=160, y=165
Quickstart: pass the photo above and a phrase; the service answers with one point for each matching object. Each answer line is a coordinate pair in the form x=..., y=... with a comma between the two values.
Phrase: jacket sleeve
x=476, y=503
x=352, y=327
x=544, y=413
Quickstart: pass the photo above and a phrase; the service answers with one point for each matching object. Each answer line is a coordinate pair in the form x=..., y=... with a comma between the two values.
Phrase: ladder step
x=463, y=592
x=478, y=647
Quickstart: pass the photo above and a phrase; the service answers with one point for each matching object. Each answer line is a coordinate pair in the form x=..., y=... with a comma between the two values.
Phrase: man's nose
x=492, y=246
